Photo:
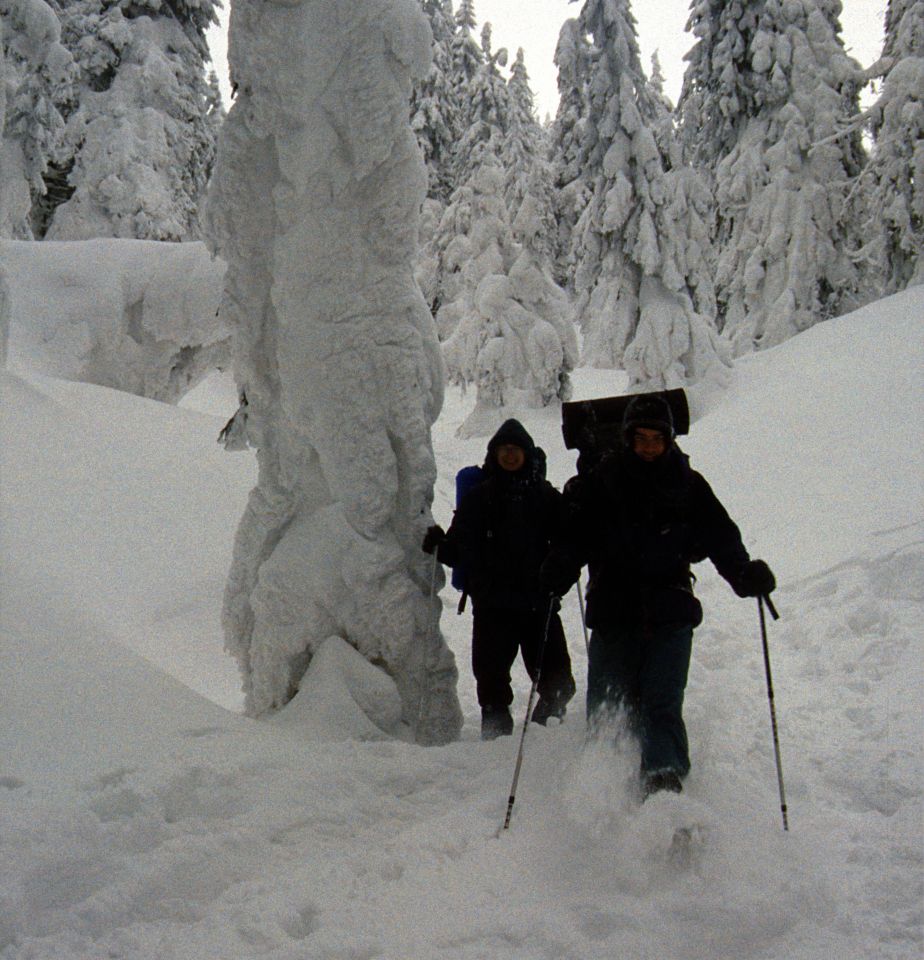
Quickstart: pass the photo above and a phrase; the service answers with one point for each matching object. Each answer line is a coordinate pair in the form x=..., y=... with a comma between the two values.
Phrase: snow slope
x=143, y=817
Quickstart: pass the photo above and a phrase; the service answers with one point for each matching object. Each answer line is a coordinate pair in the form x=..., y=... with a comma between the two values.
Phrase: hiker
x=639, y=518
x=499, y=536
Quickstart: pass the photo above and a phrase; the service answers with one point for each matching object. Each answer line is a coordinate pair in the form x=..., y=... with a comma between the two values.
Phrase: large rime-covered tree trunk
x=314, y=206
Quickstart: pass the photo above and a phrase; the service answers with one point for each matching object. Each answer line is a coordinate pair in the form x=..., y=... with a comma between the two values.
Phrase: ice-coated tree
x=508, y=328
x=484, y=118
x=484, y=111
x=141, y=138
x=657, y=82
x=643, y=280
x=895, y=197
x=465, y=51
x=572, y=189
x=36, y=74
x=524, y=156
x=523, y=147
x=314, y=206
x=435, y=104
x=767, y=96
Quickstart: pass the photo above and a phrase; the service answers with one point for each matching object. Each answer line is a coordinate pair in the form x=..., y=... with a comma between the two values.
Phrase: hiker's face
x=648, y=444
x=510, y=457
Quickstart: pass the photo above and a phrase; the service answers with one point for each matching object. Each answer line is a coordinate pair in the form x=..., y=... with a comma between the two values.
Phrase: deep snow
x=142, y=816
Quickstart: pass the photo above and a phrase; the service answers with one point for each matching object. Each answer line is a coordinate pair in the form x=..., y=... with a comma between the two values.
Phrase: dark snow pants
x=497, y=636
x=642, y=671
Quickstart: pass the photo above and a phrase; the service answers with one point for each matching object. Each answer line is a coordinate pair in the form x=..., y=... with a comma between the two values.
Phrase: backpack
x=594, y=427
x=466, y=479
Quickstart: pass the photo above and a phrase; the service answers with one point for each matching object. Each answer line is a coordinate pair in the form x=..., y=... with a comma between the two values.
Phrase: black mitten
x=558, y=574
x=434, y=536
x=754, y=580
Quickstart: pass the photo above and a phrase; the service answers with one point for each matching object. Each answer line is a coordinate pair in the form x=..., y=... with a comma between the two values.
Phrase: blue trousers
x=642, y=670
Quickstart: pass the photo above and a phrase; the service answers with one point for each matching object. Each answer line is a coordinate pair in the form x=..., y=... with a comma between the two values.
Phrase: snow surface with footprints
x=143, y=817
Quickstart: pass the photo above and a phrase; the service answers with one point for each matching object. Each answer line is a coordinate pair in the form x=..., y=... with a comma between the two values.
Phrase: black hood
x=511, y=431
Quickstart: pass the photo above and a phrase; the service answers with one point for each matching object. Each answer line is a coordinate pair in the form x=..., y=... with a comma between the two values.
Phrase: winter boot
x=657, y=780
x=495, y=722
x=546, y=709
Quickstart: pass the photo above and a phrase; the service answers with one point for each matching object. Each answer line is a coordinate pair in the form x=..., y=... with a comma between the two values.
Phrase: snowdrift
x=137, y=315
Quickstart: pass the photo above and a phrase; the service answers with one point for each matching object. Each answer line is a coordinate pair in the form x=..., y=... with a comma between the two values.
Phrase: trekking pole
x=776, y=737
x=529, y=709
x=580, y=590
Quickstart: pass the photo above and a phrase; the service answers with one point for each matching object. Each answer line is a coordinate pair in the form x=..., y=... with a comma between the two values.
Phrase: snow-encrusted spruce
x=466, y=51
x=314, y=205
x=435, y=105
x=483, y=121
x=484, y=111
x=507, y=327
x=572, y=189
x=36, y=76
x=895, y=176
x=645, y=298
x=524, y=156
x=765, y=109
x=141, y=135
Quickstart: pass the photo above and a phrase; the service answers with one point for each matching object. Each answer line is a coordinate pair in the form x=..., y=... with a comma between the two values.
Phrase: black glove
x=434, y=536
x=558, y=574
x=755, y=579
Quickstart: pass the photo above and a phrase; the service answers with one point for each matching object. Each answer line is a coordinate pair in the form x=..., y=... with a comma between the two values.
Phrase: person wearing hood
x=639, y=518
x=500, y=534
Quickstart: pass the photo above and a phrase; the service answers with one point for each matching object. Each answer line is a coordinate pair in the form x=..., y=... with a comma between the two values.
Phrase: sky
x=661, y=27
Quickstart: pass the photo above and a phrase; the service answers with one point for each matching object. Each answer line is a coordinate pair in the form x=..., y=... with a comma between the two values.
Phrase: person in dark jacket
x=500, y=535
x=639, y=519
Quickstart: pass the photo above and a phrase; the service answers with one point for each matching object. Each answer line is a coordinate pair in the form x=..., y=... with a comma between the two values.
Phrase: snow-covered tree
x=895, y=198
x=766, y=99
x=508, y=328
x=435, y=104
x=528, y=171
x=314, y=206
x=483, y=120
x=36, y=73
x=572, y=190
x=643, y=281
x=141, y=137
x=484, y=111
x=465, y=51
x=524, y=145
x=657, y=82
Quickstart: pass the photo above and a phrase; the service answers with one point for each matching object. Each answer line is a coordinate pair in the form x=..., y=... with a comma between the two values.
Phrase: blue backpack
x=466, y=479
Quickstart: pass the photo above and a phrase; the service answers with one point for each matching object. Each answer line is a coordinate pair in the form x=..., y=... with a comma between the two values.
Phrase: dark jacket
x=502, y=530
x=639, y=526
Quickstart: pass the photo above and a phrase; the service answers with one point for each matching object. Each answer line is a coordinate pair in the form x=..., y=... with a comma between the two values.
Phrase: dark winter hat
x=512, y=431
x=648, y=410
